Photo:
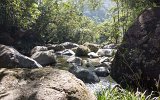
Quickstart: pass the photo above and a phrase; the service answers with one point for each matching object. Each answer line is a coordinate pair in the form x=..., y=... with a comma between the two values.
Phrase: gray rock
x=106, y=52
x=38, y=48
x=45, y=57
x=75, y=60
x=102, y=71
x=11, y=58
x=42, y=84
x=93, y=55
x=66, y=52
x=56, y=47
x=69, y=45
x=110, y=46
x=104, y=64
x=105, y=59
x=90, y=62
x=85, y=75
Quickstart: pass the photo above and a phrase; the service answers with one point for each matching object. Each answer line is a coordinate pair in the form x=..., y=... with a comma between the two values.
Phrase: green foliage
x=21, y=13
x=117, y=93
x=56, y=20
x=123, y=15
x=63, y=21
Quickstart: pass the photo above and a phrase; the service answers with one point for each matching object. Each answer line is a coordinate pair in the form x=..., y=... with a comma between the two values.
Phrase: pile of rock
x=38, y=82
x=97, y=63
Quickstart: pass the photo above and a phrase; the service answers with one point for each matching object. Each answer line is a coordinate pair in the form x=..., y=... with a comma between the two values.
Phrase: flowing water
x=104, y=83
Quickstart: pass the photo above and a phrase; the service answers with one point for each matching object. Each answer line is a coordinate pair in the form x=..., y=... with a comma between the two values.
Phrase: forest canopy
x=58, y=21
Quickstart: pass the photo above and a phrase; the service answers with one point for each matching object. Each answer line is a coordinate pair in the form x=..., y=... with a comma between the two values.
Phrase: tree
x=62, y=21
x=20, y=13
x=123, y=15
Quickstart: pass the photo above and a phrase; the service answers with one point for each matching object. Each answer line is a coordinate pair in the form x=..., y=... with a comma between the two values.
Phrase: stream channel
x=105, y=82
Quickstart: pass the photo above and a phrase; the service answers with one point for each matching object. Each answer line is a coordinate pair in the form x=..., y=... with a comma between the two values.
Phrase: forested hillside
x=101, y=13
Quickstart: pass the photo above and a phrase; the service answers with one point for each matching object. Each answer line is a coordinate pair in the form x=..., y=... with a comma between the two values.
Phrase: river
x=105, y=82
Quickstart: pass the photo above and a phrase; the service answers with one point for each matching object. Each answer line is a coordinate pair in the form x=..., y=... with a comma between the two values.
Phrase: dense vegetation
x=55, y=20
x=63, y=20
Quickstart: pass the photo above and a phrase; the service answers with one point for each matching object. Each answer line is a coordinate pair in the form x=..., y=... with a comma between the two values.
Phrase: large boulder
x=82, y=51
x=11, y=58
x=137, y=61
x=66, y=52
x=102, y=71
x=69, y=45
x=45, y=57
x=110, y=46
x=56, y=47
x=93, y=55
x=38, y=48
x=90, y=62
x=106, y=52
x=85, y=75
x=42, y=84
x=93, y=47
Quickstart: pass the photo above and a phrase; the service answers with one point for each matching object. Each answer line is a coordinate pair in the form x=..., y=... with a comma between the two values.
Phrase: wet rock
x=110, y=46
x=136, y=62
x=85, y=75
x=38, y=48
x=105, y=59
x=11, y=58
x=42, y=84
x=82, y=51
x=66, y=52
x=102, y=71
x=69, y=45
x=93, y=55
x=75, y=60
x=104, y=64
x=45, y=57
x=92, y=47
x=106, y=52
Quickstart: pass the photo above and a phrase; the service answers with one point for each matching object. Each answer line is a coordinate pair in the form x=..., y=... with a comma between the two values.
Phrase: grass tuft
x=117, y=93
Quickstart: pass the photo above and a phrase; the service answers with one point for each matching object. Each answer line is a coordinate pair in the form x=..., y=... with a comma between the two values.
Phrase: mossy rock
x=82, y=51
